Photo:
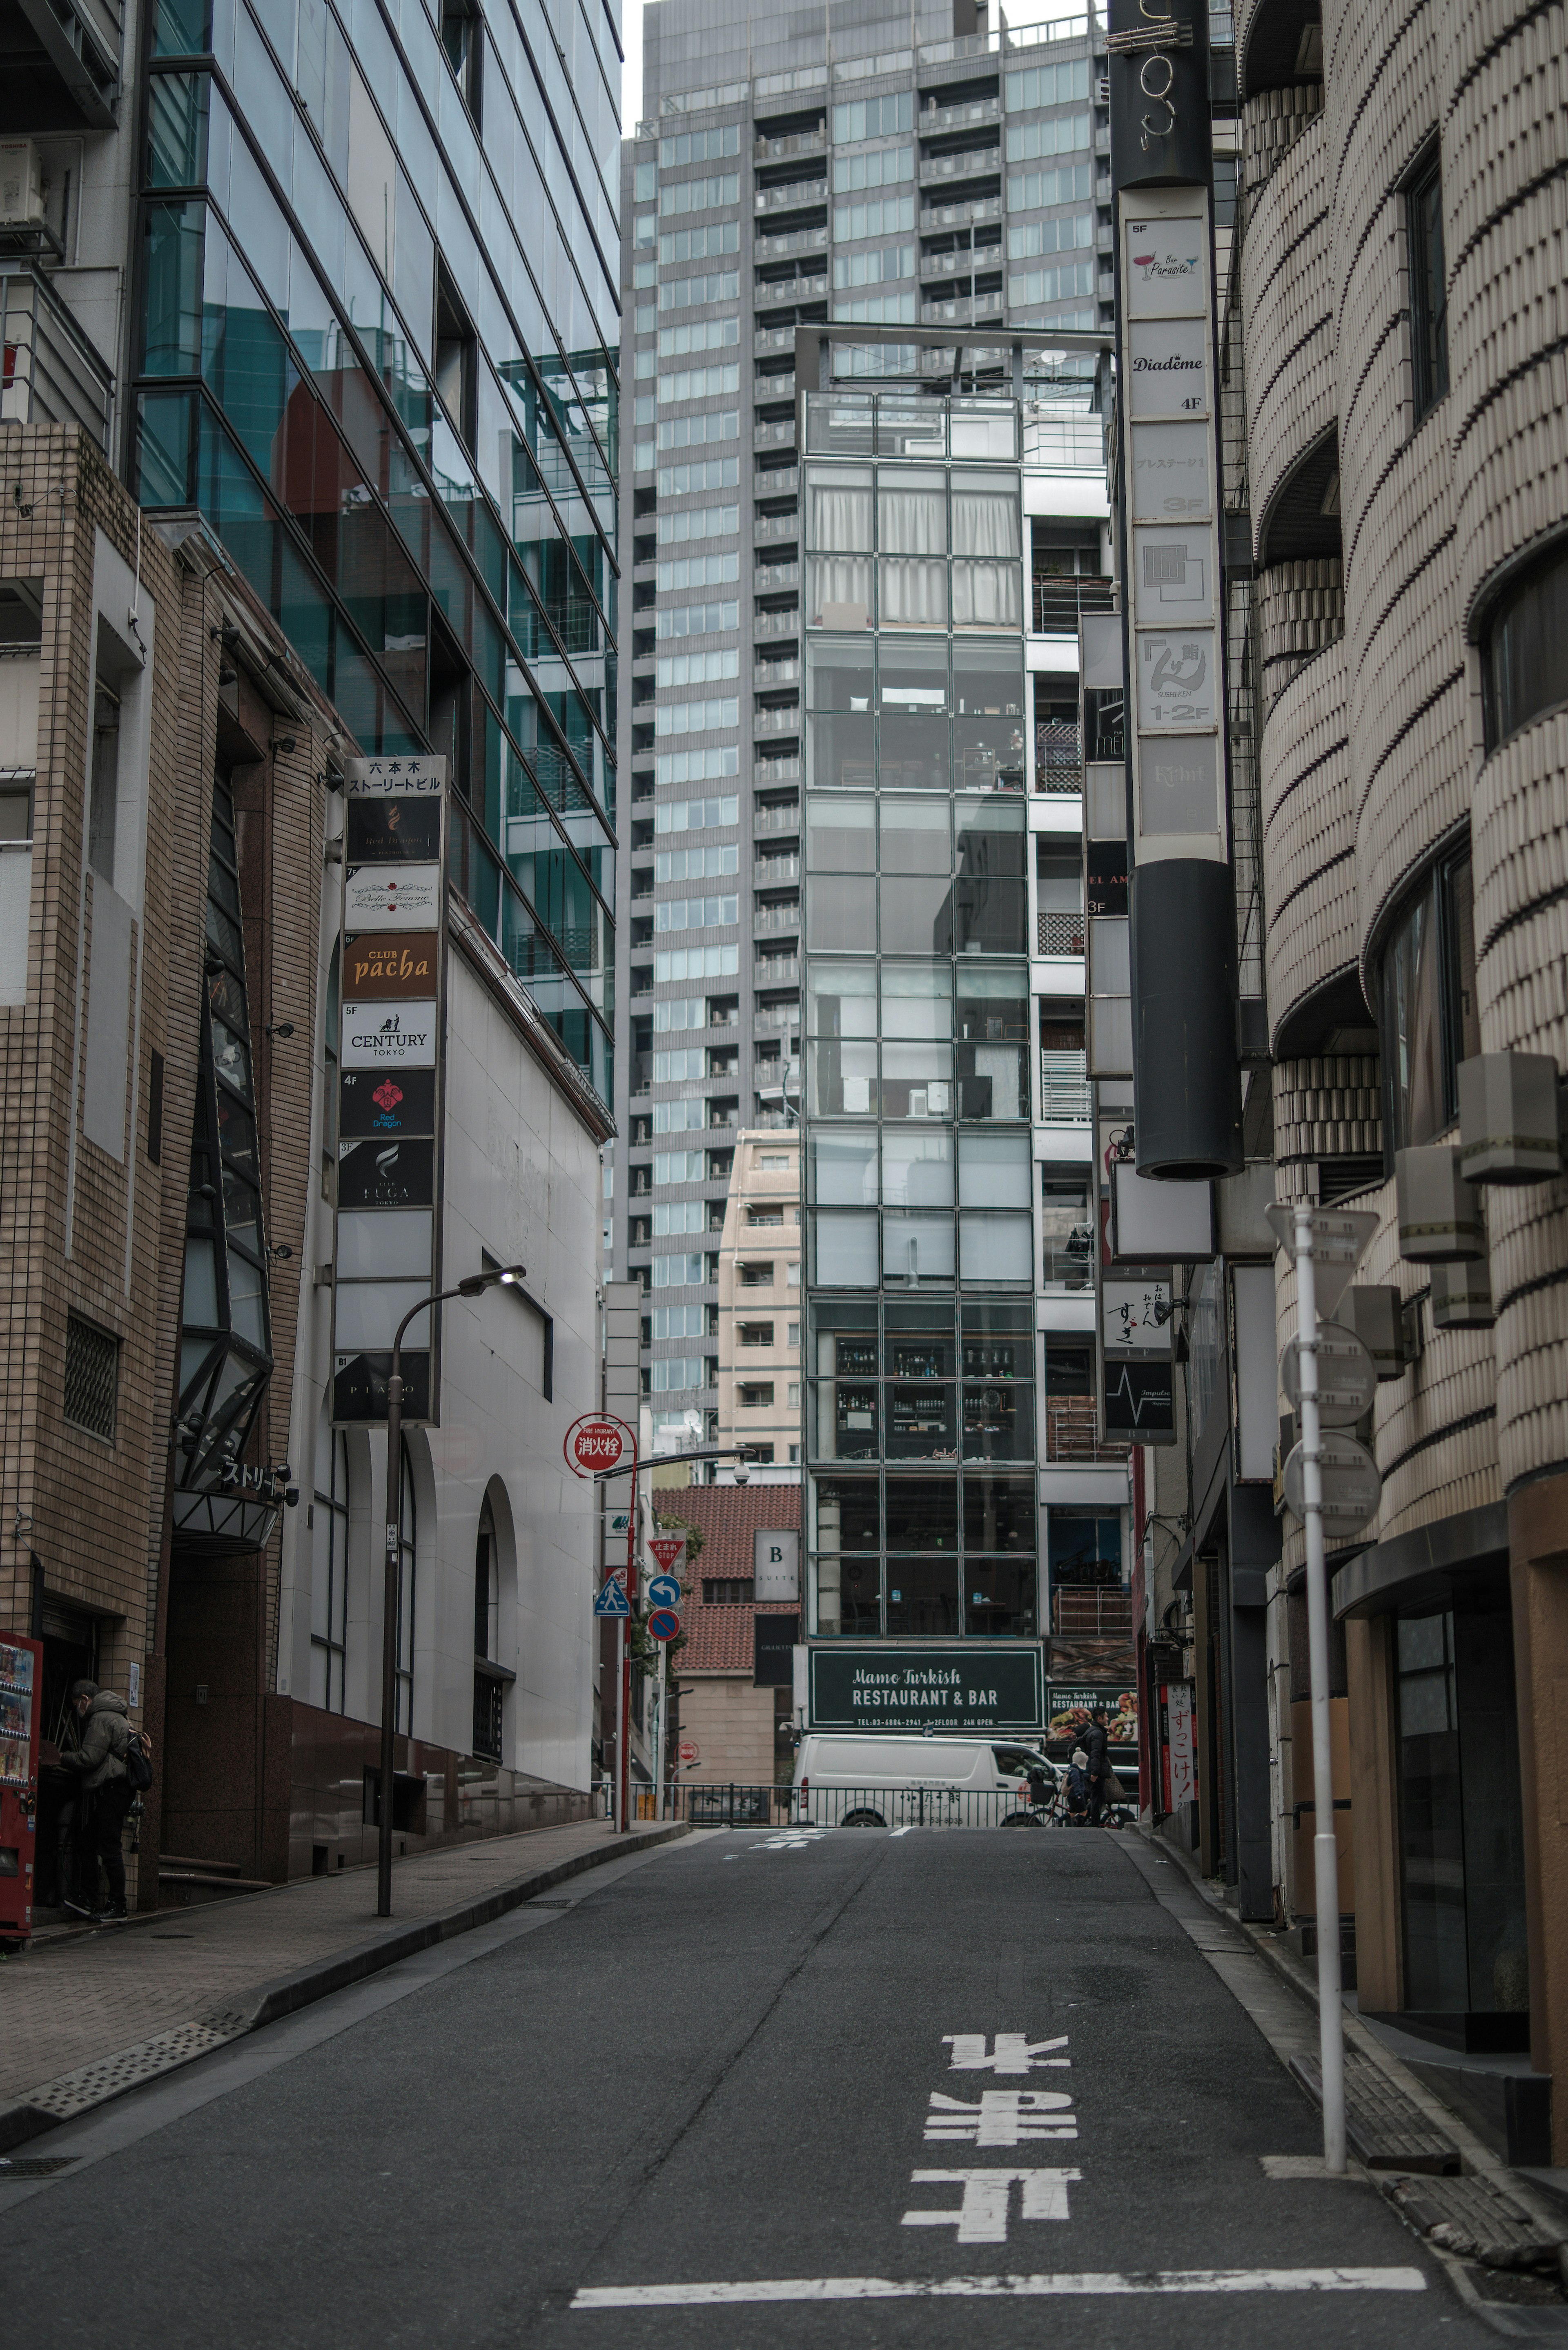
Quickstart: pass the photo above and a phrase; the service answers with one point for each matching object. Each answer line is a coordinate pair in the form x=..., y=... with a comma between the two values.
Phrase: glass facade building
x=378, y=338
x=919, y=1244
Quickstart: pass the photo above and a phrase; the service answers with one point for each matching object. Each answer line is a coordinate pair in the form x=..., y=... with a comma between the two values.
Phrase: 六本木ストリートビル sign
x=968, y=1687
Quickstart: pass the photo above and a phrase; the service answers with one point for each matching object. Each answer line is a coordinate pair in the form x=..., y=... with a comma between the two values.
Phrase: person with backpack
x=111, y=1760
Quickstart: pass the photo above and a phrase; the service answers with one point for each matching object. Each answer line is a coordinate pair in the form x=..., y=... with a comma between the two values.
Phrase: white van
x=867, y=1780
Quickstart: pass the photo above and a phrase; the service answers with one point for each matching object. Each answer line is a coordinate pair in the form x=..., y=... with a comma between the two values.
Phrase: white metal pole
x=1325, y=1844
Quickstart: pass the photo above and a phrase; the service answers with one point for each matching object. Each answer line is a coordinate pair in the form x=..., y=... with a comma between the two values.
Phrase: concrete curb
x=29, y=2116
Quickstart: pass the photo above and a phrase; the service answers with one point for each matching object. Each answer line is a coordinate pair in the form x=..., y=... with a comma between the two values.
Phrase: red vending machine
x=21, y=1684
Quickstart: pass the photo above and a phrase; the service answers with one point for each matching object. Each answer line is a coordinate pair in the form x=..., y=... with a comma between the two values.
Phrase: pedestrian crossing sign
x=612, y=1600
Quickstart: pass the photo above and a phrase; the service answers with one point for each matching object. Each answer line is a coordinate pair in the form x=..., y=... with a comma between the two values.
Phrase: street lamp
x=473, y=1286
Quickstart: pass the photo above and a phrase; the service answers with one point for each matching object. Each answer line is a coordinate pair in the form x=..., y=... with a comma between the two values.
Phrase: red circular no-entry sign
x=690, y=1751
x=594, y=1444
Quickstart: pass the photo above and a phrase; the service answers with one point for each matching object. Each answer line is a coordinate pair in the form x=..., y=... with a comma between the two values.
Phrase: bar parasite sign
x=392, y=968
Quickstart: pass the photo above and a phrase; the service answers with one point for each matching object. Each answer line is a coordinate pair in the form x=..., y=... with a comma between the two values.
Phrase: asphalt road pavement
x=841, y=2088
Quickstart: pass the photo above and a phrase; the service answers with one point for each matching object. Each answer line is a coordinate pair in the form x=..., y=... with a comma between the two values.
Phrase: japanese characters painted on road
x=669, y=1550
x=663, y=1624
x=664, y=1590
x=594, y=1445
x=611, y=1599
x=1003, y=2117
x=390, y=1077
x=1346, y=1374
x=980, y=2217
x=1009, y=2053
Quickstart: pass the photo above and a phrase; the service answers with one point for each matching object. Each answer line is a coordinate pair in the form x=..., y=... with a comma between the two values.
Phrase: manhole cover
x=34, y=2166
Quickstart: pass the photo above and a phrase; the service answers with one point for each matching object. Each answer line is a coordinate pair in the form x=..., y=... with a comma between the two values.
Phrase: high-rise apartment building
x=887, y=167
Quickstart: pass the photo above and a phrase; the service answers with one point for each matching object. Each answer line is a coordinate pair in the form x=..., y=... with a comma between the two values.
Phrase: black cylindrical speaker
x=1187, y=1085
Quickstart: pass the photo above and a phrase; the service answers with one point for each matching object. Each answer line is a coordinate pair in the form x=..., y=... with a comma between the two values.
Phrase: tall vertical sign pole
x=1325, y=1842
x=1183, y=906
x=624, y=1651
x=620, y=1680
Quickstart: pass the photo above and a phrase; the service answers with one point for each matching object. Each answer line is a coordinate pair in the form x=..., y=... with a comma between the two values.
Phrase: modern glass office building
x=376, y=349
x=920, y=1236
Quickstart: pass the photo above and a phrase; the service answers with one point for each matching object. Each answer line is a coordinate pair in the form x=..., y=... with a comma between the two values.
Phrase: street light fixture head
x=507, y=1275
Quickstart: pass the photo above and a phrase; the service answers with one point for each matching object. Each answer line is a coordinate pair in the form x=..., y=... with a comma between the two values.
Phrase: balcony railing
x=794, y=196
x=961, y=311
x=775, y=436
x=961, y=264
x=782, y=770
x=964, y=215
x=1058, y=755
x=777, y=482
x=776, y=1016
x=1072, y=1431
x=973, y=164
x=958, y=118
x=769, y=920
x=52, y=373
x=1060, y=934
x=769, y=577
x=773, y=339
x=788, y=289
x=1066, y=1098
x=772, y=674
x=766, y=723
x=769, y=388
x=776, y=971
x=795, y=142
x=777, y=819
x=772, y=872
x=787, y=240
x=1093, y=1614
x=777, y=624
x=1059, y=600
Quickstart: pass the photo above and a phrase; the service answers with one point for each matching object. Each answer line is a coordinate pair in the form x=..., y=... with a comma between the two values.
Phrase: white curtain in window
x=914, y=595
x=839, y=585
x=838, y=517
x=911, y=520
x=985, y=525
x=986, y=595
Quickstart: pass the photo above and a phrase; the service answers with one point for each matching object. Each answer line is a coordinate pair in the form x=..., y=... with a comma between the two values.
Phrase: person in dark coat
x=1097, y=1745
x=104, y=1721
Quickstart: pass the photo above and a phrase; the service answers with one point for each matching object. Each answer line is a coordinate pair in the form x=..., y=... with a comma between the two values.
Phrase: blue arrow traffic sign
x=612, y=1600
x=664, y=1590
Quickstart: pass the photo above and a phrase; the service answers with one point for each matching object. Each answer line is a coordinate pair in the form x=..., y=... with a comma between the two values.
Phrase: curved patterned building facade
x=1402, y=277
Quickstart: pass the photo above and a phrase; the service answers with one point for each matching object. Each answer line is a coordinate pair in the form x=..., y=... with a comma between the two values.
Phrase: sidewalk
x=87, y=2018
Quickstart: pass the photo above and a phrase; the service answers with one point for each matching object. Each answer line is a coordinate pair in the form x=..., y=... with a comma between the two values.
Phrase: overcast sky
x=1023, y=12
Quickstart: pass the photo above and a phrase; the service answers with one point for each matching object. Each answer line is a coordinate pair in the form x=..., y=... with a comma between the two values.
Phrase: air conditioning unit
x=21, y=184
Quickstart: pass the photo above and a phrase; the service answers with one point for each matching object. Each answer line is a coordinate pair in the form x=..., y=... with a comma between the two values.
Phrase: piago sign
x=971, y=1686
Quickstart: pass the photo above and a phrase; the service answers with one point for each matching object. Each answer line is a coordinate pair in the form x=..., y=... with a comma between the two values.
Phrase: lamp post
x=473, y=1287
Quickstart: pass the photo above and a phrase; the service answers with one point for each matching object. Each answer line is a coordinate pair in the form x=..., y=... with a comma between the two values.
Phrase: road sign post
x=594, y=1446
x=1331, y=1244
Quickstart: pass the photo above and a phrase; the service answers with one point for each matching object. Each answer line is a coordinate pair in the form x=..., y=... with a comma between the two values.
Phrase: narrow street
x=749, y=2085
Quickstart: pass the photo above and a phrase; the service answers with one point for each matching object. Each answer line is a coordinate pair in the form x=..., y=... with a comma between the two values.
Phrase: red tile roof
x=718, y=1639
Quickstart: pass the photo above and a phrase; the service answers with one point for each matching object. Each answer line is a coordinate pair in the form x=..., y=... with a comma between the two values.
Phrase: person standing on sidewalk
x=105, y=1735
x=1096, y=1743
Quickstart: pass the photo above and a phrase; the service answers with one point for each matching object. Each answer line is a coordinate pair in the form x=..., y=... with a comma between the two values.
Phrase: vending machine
x=21, y=1694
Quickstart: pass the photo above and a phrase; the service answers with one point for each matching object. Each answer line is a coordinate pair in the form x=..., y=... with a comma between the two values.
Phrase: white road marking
x=1014, y=2051
x=980, y=2217
x=1003, y=2117
x=791, y=1840
x=1065, y=2287
x=898, y=1831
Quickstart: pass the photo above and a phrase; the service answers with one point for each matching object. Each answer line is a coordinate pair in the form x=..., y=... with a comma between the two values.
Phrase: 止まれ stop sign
x=667, y=1549
x=663, y=1624
x=594, y=1445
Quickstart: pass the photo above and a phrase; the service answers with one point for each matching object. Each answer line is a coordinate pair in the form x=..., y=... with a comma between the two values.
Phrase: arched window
x=329, y=1589
x=489, y=1684
x=405, y=1706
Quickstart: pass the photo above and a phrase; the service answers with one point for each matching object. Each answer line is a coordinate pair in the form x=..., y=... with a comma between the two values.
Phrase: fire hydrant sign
x=593, y=1446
